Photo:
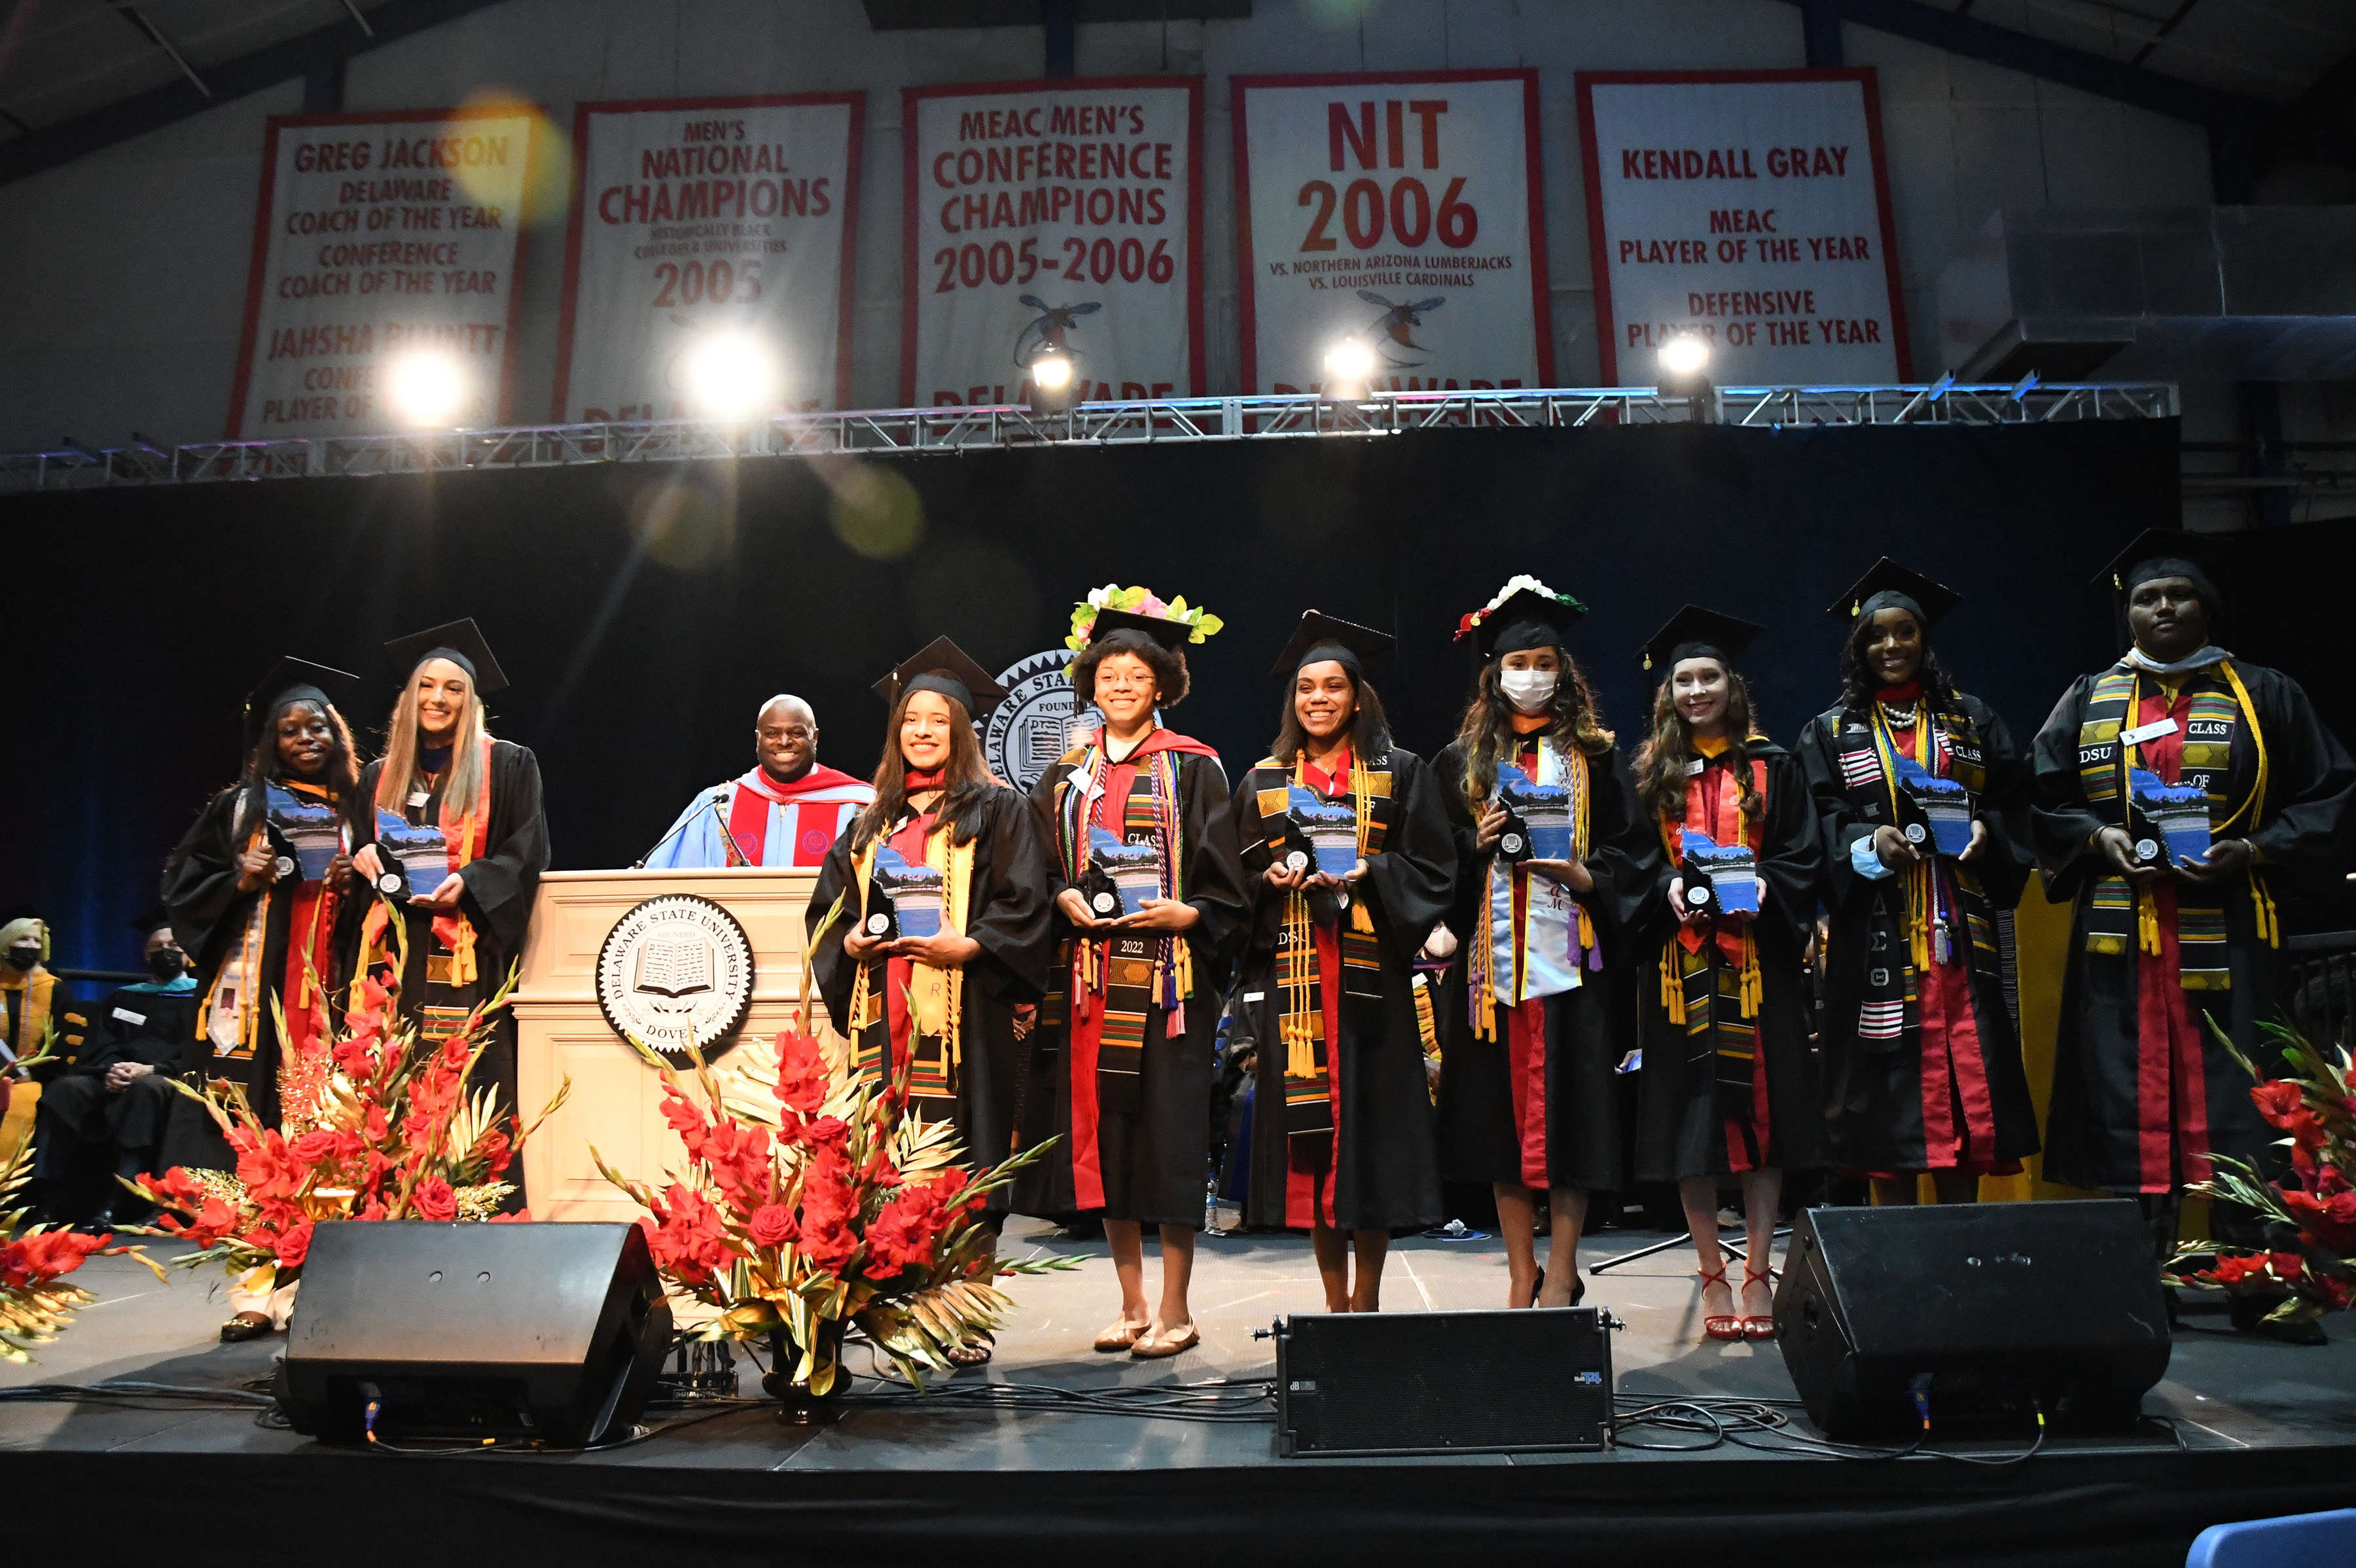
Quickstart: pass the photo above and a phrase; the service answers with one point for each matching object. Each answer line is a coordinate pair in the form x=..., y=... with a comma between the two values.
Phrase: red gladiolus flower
x=829, y=1243
x=689, y=1242
x=294, y=1245
x=37, y=1260
x=903, y=1235
x=829, y=1132
x=2288, y=1266
x=2275, y=1099
x=496, y=1153
x=802, y=1073
x=772, y=1225
x=520, y=1216
x=436, y=1202
x=687, y=1122
x=373, y=1212
x=2328, y=1222
x=376, y=1128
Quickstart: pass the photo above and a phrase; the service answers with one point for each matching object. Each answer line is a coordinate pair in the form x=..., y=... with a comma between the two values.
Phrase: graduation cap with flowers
x=1526, y=613
x=1112, y=607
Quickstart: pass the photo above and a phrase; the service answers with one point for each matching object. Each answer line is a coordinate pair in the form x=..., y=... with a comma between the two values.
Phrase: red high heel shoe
x=1758, y=1327
x=1725, y=1329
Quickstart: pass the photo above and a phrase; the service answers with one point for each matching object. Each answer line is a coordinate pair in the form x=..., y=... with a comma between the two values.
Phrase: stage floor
x=2262, y=1426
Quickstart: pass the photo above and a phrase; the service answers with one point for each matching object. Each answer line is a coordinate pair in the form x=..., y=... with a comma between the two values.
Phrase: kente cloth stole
x=1129, y=973
x=1914, y=914
x=2119, y=921
x=1710, y=984
x=1300, y=1015
x=935, y=996
x=230, y=1016
x=1534, y=937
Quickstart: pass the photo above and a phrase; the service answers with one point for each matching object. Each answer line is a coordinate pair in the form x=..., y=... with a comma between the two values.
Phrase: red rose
x=313, y=1147
x=2275, y=1099
x=829, y=1132
x=436, y=1202
x=772, y=1225
x=294, y=1245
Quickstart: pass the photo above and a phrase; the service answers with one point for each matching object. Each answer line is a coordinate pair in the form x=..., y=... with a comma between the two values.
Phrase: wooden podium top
x=577, y=909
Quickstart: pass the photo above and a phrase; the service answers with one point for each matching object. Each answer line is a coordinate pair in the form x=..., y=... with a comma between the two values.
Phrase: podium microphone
x=718, y=794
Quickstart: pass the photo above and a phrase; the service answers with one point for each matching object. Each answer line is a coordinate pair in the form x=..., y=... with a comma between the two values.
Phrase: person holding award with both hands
x=1555, y=857
x=1922, y=797
x=1349, y=864
x=1726, y=1087
x=1150, y=900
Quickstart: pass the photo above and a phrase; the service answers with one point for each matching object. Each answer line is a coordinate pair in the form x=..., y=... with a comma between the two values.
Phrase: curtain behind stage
x=643, y=612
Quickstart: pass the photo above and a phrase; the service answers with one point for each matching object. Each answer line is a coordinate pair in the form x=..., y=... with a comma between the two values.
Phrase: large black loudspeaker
x=1983, y=1307
x=544, y=1332
x=1444, y=1382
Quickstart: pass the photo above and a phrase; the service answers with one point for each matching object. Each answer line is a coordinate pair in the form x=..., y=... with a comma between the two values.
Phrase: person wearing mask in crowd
x=1529, y=1100
x=1119, y=1075
x=2176, y=959
x=27, y=990
x=456, y=824
x=1922, y=1059
x=121, y=1093
x=1728, y=1091
x=1341, y=1132
x=788, y=811
x=943, y=845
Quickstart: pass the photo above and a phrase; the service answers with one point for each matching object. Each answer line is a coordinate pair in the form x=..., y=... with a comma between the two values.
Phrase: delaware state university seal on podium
x=676, y=971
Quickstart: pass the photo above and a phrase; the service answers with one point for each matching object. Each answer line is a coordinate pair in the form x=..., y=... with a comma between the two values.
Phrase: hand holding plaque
x=1121, y=876
x=902, y=900
x=1722, y=878
x=1934, y=813
x=1538, y=818
x=2169, y=823
x=1328, y=831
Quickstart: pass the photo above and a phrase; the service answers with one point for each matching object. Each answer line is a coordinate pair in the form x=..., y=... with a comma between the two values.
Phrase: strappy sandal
x=975, y=1352
x=1152, y=1346
x=1119, y=1337
x=1758, y=1327
x=1729, y=1327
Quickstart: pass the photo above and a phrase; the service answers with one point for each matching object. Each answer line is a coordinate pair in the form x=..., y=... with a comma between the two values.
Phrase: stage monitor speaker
x=1990, y=1310
x=1444, y=1382
x=551, y=1333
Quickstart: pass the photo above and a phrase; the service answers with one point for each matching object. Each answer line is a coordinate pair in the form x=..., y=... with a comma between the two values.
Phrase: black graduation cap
x=294, y=679
x=151, y=919
x=1529, y=617
x=942, y=666
x=1697, y=633
x=459, y=641
x=1322, y=637
x=1171, y=634
x=1888, y=586
x=2166, y=553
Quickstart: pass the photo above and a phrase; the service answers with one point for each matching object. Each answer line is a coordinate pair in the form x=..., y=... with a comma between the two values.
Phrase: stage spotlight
x=730, y=375
x=1684, y=363
x=1349, y=367
x=424, y=390
x=1053, y=386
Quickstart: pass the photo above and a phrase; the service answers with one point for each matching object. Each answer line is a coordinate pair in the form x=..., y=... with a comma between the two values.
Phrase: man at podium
x=786, y=811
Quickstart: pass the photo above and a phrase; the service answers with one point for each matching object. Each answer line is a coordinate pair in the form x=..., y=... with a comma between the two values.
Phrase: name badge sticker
x=128, y=1016
x=2152, y=731
x=1696, y=765
x=419, y=797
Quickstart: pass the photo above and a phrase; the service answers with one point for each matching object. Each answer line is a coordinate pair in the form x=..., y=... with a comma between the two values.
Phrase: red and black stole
x=1710, y=975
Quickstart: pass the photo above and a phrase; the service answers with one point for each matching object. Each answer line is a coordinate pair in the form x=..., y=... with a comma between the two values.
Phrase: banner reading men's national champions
x=1052, y=214
x=699, y=217
x=1404, y=211
x=375, y=234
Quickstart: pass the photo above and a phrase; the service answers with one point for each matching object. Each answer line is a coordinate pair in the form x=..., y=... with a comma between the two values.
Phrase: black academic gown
x=1381, y=1170
x=209, y=913
x=1877, y=1093
x=501, y=883
x=153, y=1028
x=2108, y=1125
x=1008, y=905
x=1561, y=1124
x=1682, y=1125
x=1149, y=1162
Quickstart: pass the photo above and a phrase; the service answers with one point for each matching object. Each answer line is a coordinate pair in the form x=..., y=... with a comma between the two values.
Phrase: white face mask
x=1530, y=690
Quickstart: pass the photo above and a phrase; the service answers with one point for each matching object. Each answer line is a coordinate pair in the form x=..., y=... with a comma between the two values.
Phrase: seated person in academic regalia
x=788, y=811
x=27, y=990
x=120, y=1092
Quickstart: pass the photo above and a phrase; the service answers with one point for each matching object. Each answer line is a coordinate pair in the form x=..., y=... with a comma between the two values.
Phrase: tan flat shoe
x=1153, y=1347
x=1119, y=1337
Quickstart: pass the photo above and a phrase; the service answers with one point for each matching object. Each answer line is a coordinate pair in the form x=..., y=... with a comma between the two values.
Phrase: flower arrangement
x=1139, y=602
x=2310, y=1215
x=809, y=1204
x=1465, y=623
x=34, y=1260
x=374, y=1127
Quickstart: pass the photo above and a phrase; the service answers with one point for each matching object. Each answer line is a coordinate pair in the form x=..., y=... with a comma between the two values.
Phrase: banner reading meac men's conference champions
x=700, y=216
x=1052, y=214
x=1404, y=211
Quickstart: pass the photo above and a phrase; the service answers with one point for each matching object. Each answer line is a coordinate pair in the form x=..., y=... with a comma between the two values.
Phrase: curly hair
x=1661, y=761
x=1488, y=723
x=1858, y=684
x=1168, y=664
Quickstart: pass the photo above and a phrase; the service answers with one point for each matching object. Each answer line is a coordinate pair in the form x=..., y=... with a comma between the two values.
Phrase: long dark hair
x=1489, y=718
x=968, y=786
x=340, y=772
x=1858, y=684
x=1370, y=733
x=1661, y=761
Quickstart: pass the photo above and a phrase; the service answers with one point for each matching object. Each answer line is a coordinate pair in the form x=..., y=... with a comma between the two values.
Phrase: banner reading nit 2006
x=1052, y=214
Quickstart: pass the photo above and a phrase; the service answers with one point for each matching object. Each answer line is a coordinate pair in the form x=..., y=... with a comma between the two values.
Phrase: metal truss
x=924, y=430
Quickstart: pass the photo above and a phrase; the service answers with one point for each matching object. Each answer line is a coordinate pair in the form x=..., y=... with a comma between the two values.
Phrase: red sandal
x=1726, y=1329
x=1758, y=1327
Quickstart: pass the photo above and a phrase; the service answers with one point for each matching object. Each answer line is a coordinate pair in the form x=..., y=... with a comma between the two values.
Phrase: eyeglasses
x=1125, y=682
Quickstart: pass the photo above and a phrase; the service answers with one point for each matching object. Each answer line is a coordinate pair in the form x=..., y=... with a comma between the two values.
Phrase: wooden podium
x=560, y=1033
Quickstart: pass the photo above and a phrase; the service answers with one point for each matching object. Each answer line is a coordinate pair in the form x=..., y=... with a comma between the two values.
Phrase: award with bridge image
x=307, y=834
x=904, y=900
x=1936, y=813
x=2169, y=823
x=416, y=857
x=1722, y=877
x=1537, y=816
x=1122, y=875
x=1331, y=828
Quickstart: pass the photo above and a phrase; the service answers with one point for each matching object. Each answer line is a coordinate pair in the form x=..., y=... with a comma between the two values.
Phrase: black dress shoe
x=245, y=1327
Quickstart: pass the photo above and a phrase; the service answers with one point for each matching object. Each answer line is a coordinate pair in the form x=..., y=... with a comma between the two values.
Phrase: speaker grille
x=1444, y=1382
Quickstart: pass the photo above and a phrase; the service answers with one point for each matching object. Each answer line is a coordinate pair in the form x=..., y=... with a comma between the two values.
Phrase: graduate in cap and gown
x=1341, y=1132
x=1728, y=1092
x=2165, y=949
x=459, y=810
x=1121, y=1066
x=1921, y=1053
x=259, y=890
x=788, y=811
x=944, y=844
x=1528, y=1099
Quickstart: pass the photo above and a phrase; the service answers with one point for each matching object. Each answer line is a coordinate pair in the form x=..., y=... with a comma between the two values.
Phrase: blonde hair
x=467, y=781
